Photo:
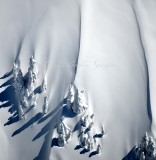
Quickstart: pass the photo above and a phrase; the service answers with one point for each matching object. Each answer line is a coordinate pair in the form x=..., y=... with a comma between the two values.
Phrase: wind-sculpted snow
x=106, y=48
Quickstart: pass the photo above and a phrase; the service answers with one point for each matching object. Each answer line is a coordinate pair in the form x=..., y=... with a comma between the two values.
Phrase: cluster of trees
x=24, y=88
x=147, y=149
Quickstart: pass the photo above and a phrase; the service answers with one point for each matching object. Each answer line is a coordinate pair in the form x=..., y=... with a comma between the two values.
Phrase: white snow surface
x=105, y=47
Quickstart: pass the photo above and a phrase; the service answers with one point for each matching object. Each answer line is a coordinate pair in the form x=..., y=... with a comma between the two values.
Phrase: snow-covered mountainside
x=77, y=79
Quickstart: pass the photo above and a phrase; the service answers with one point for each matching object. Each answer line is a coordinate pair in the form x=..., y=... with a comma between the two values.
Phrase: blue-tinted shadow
x=6, y=75
x=54, y=142
x=28, y=124
x=130, y=155
x=93, y=154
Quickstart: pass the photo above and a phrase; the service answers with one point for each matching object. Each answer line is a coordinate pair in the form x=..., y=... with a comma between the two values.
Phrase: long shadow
x=50, y=125
x=7, y=74
x=98, y=135
x=46, y=148
x=93, y=154
x=7, y=83
x=87, y=130
x=59, y=107
x=12, y=120
x=8, y=98
x=130, y=155
x=29, y=123
x=5, y=104
x=77, y=147
x=7, y=95
x=48, y=130
x=28, y=110
x=76, y=127
x=84, y=151
x=55, y=115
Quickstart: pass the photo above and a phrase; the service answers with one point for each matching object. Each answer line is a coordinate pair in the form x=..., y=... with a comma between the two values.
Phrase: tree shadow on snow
x=130, y=155
x=28, y=124
x=7, y=74
x=54, y=117
x=38, y=90
x=77, y=147
x=98, y=135
x=28, y=110
x=67, y=112
x=48, y=129
x=45, y=117
x=8, y=98
x=7, y=83
x=11, y=120
x=84, y=151
x=93, y=154
x=45, y=149
x=50, y=125
x=54, y=142
x=76, y=127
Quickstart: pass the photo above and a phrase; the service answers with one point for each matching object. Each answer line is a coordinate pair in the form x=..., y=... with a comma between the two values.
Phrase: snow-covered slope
x=101, y=46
